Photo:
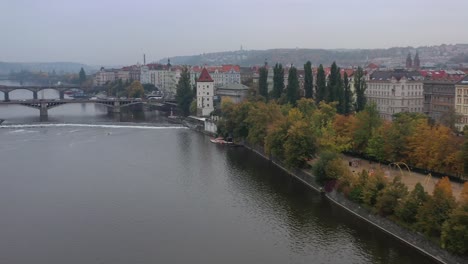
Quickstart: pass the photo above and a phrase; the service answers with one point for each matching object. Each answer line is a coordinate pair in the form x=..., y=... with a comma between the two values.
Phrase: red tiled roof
x=372, y=66
x=205, y=76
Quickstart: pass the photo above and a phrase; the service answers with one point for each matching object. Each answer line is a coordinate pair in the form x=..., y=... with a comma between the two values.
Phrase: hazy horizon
x=120, y=32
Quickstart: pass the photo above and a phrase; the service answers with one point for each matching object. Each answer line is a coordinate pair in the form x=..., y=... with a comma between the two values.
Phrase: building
x=395, y=91
x=236, y=92
x=205, y=94
x=104, y=76
x=439, y=98
x=221, y=75
x=461, y=103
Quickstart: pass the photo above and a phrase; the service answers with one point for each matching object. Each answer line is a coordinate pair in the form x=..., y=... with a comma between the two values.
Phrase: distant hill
x=58, y=67
x=391, y=57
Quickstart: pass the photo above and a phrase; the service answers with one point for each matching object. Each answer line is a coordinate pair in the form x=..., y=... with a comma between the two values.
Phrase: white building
x=395, y=92
x=221, y=75
x=205, y=94
x=103, y=76
x=461, y=102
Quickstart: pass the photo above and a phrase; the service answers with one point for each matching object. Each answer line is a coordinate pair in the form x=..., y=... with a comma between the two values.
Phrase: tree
x=332, y=85
x=135, y=90
x=308, y=80
x=348, y=95
x=409, y=206
x=464, y=153
x=321, y=94
x=184, y=95
x=299, y=145
x=366, y=122
x=389, y=197
x=260, y=116
x=455, y=230
x=278, y=81
x=433, y=213
x=360, y=87
x=292, y=91
x=82, y=76
x=450, y=118
x=329, y=167
x=262, y=82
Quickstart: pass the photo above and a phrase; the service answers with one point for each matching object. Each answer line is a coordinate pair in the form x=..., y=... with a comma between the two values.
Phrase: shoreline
x=415, y=240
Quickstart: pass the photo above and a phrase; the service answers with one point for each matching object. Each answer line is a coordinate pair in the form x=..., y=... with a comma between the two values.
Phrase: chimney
x=144, y=59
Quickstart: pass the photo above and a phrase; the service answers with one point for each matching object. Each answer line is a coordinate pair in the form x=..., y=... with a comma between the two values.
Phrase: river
x=104, y=192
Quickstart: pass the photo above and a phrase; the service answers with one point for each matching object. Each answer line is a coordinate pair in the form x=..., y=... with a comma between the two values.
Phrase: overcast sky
x=115, y=32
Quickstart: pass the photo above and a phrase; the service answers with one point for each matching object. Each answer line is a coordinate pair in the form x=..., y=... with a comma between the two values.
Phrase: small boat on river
x=219, y=140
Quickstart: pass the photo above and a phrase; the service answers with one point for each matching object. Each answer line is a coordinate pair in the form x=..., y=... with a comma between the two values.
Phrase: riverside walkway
x=409, y=178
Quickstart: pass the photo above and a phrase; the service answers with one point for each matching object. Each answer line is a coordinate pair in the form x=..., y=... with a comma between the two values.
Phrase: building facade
x=221, y=75
x=104, y=76
x=205, y=94
x=461, y=102
x=395, y=91
x=439, y=98
x=236, y=92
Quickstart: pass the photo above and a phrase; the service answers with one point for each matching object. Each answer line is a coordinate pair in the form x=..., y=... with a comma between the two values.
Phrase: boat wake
x=91, y=125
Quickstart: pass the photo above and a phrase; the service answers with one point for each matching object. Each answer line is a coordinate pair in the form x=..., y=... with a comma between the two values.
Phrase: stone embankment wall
x=415, y=240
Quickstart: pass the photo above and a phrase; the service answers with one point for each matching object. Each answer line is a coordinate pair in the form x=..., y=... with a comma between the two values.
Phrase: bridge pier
x=62, y=94
x=116, y=108
x=7, y=96
x=35, y=95
x=43, y=111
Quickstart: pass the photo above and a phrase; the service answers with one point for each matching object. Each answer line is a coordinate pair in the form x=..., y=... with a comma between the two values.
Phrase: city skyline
x=118, y=33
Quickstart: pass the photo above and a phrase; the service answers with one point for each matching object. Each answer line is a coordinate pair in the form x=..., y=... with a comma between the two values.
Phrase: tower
x=409, y=61
x=205, y=94
x=417, y=63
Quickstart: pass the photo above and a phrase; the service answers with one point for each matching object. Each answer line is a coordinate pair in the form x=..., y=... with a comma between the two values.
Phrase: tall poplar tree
x=184, y=95
x=360, y=87
x=348, y=95
x=278, y=81
x=82, y=76
x=321, y=93
x=332, y=84
x=308, y=80
x=339, y=92
x=262, y=82
x=292, y=91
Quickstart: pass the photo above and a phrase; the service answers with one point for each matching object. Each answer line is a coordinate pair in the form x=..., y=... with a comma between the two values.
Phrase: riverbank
x=415, y=240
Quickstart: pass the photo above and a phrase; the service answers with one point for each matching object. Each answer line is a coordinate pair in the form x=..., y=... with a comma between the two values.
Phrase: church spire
x=417, y=63
x=409, y=61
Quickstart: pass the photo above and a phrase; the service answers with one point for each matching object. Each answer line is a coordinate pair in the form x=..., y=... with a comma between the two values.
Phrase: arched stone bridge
x=35, y=89
x=114, y=105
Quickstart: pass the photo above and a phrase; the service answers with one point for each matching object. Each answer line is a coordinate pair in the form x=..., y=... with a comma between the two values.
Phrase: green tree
x=184, y=95
x=292, y=91
x=455, y=230
x=328, y=167
x=360, y=87
x=308, y=80
x=433, y=213
x=389, y=197
x=82, y=76
x=348, y=95
x=366, y=122
x=464, y=153
x=278, y=81
x=340, y=96
x=260, y=116
x=300, y=144
x=262, y=82
x=321, y=94
x=409, y=206
x=371, y=188
x=135, y=90
x=450, y=118
x=332, y=85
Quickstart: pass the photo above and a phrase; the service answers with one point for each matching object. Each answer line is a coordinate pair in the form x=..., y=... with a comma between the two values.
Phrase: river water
x=107, y=192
